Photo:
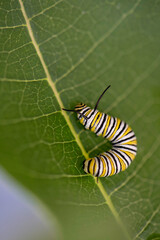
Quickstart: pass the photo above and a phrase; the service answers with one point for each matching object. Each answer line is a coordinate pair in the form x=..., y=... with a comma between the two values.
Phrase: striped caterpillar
x=121, y=136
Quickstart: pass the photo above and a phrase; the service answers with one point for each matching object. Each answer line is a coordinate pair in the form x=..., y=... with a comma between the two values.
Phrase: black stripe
x=133, y=145
x=129, y=132
x=127, y=148
x=80, y=107
x=97, y=175
x=125, y=139
x=111, y=127
x=85, y=122
x=84, y=110
x=108, y=125
x=119, y=132
x=90, y=114
x=93, y=118
x=118, y=128
x=112, y=155
x=94, y=167
x=118, y=161
x=125, y=155
x=88, y=117
x=84, y=164
x=106, y=160
x=101, y=123
x=89, y=162
x=93, y=111
x=122, y=156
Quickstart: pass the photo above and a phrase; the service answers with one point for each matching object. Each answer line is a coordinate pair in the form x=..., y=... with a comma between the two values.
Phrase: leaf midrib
x=108, y=200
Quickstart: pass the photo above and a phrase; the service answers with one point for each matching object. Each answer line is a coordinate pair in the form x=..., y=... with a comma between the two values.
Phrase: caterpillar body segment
x=122, y=137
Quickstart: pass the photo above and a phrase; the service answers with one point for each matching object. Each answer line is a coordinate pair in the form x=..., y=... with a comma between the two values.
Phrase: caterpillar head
x=80, y=108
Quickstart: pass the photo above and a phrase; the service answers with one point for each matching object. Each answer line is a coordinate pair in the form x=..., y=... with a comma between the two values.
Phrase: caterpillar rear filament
x=119, y=133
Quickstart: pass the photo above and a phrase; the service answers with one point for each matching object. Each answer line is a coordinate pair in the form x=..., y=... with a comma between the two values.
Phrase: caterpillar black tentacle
x=119, y=133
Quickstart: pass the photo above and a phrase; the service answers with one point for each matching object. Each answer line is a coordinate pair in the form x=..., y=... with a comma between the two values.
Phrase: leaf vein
x=24, y=119
x=137, y=81
x=46, y=9
x=101, y=40
x=148, y=222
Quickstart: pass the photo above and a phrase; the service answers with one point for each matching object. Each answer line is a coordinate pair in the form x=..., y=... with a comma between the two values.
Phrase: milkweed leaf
x=55, y=54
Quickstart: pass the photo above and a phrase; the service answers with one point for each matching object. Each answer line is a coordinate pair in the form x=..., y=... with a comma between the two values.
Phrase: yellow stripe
x=91, y=166
x=123, y=165
x=88, y=112
x=112, y=165
x=81, y=120
x=95, y=121
x=131, y=155
x=86, y=165
x=95, y=166
x=117, y=125
x=80, y=107
x=108, y=120
x=98, y=119
x=104, y=167
x=127, y=131
x=130, y=142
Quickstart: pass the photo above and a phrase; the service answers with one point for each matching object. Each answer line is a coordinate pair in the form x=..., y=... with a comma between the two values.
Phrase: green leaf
x=55, y=54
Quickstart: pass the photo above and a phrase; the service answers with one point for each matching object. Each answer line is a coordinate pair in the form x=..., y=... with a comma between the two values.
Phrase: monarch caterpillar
x=119, y=133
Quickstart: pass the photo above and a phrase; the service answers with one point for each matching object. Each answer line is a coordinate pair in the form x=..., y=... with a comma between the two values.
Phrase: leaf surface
x=55, y=54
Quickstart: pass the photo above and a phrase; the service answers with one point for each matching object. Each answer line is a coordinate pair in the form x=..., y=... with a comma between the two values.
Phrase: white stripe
x=113, y=128
x=101, y=167
x=129, y=150
x=125, y=141
x=121, y=133
x=84, y=109
x=96, y=163
x=109, y=167
x=102, y=128
x=126, y=136
x=119, y=130
x=105, y=165
x=110, y=163
x=110, y=125
x=117, y=161
x=99, y=124
x=123, y=159
x=128, y=146
x=129, y=160
x=89, y=121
